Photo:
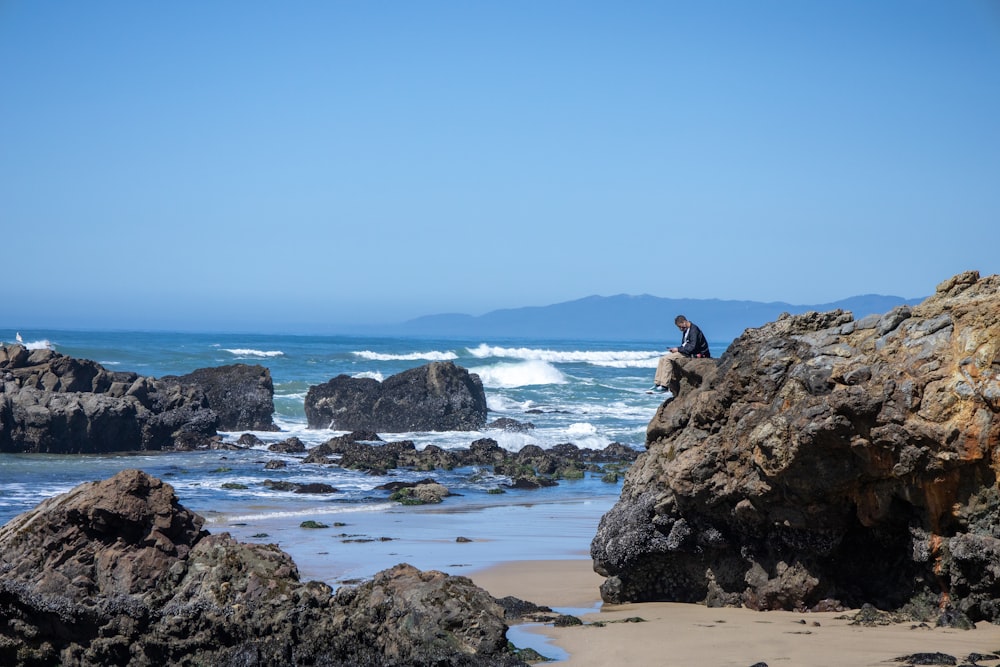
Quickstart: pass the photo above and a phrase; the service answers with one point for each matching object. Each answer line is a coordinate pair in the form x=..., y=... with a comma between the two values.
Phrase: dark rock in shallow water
x=51, y=403
x=340, y=444
x=242, y=395
x=439, y=396
x=280, y=485
x=295, y=487
x=416, y=493
x=421, y=494
x=825, y=458
x=530, y=468
x=315, y=487
x=396, y=486
x=376, y=458
x=566, y=621
x=616, y=451
x=516, y=608
x=290, y=446
x=928, y=659
x=531, y=482
x=486, y=451
x=510, y=425
x=249, y=440
x=117, y=572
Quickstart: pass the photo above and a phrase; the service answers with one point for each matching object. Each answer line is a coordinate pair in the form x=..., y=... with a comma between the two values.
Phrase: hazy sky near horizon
x=303, y=165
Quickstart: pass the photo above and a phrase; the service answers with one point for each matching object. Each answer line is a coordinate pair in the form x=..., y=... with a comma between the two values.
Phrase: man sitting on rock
x=693, y=344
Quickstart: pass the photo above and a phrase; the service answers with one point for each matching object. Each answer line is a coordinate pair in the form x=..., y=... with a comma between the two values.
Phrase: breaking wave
x=433, y=355
x=249, y=352
x=522, y=374
x=609, y=358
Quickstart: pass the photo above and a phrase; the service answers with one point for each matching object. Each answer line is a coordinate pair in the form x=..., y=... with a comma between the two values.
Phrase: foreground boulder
x=825, y=461
x=117, y=572
x=438, y=396
x=52, y=403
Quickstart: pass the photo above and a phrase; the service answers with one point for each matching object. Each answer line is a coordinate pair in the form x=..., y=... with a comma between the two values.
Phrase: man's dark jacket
x=693, y=343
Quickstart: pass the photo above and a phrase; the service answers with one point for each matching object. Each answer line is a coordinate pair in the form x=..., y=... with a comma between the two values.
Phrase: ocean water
x=582, y=392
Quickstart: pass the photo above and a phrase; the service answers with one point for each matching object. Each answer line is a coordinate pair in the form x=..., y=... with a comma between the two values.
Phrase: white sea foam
x=513, y=441
x=609, y=358
x=291, y=396
x=501, y=403
x=433, y=355
x=638, y=362
x=582, y=434
x=248, y=352
x=292, y=514
x=591, y=441
x=288, y=427
x=43, y=344
x=374, y=375
x=522, y=374
x=620, y=410
x=581, y=428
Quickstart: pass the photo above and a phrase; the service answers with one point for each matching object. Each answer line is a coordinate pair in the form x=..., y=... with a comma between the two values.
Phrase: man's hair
x=680, y=319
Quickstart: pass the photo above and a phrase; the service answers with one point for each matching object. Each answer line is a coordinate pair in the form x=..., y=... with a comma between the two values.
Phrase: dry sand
x=682, y=635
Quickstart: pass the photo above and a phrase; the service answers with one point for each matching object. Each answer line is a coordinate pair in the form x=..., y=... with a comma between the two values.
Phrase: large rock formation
x=52, y=403
x=117, y=572
x=438, y=396
x=825, y=458
x=242, y=395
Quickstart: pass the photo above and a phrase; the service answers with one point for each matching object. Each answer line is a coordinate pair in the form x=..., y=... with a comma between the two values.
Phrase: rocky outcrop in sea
x=531, y=467
x=439, y=396
x=118, y=573
x=826, y=461
x=56, y=404
x=242, y=395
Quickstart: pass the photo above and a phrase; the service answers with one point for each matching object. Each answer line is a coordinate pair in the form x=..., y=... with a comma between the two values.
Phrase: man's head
x=681, y=322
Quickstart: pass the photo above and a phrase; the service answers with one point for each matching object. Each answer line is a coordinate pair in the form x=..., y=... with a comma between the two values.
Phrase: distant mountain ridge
x=633, y=318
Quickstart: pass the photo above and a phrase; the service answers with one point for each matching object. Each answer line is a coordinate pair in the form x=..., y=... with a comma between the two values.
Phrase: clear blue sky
x=303, y=165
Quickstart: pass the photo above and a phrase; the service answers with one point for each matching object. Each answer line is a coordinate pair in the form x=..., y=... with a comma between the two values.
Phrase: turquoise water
x=590, y=394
